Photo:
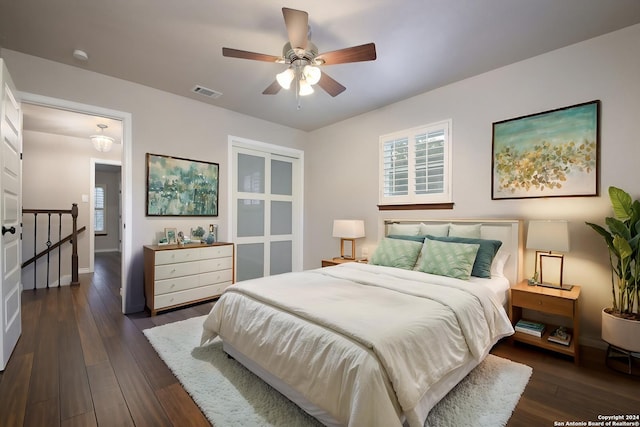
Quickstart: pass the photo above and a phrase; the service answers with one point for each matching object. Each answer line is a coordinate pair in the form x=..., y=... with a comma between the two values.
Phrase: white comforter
x=364, y=343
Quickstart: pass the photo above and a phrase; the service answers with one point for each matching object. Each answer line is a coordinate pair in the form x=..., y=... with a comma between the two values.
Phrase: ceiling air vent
x=206, y=92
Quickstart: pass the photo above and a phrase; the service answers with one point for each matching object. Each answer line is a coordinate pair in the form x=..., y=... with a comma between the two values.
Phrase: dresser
x=179, y=275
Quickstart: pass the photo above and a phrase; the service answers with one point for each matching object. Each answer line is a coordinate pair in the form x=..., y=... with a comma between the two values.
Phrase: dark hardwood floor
x=80, y=362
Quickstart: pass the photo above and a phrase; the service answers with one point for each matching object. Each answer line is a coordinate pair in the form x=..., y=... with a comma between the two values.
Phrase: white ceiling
x=68, y=123
x=421, y=44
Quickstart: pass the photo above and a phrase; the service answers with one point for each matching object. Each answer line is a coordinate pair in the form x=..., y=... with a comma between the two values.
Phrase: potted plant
x=621, y=321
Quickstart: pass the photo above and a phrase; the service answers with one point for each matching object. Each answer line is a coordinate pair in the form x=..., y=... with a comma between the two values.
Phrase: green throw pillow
x=405, y=237
x=470, y=231
x=487, y=251
x=396, y=253
x=448, y=258
x=434, y=229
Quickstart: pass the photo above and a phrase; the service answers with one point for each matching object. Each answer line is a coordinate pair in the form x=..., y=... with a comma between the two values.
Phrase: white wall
x=343, y=176
x=163, y=123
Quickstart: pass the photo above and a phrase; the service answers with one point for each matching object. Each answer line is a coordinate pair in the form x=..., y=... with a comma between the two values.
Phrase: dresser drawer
x=178, y=255
x=215, y=264
x=189, y=295
x=546, y=303
x=216, y=277
x=176, y=284
x=216, y=251
x=168, y=271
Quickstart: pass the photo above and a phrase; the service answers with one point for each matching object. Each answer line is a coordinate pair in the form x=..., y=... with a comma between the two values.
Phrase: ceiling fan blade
x=365, y=52
x=297, y=23
x=331, y=86
x=243, y=54
x=272, y=89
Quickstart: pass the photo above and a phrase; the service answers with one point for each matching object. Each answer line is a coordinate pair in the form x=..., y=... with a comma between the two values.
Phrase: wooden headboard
x=509, y=232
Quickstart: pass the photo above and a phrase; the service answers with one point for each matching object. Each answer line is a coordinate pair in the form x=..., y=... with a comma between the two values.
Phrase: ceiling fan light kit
x=303, y=59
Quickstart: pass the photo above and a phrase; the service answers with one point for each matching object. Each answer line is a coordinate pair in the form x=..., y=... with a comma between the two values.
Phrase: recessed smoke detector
x=201, y=90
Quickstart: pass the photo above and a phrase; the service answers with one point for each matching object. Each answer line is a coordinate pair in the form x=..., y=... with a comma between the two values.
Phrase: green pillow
x=487, y=251
x=469, y=231
x=448, y=258
x=396, y=253
x=405, y=237
x=404, y=229
x=434, y=229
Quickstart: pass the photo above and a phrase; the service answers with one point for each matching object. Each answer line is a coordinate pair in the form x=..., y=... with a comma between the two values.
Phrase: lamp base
x=353, y=248
x=554, y=286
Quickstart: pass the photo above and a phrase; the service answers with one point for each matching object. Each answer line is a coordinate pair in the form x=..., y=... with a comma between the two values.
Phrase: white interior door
x=267, y=211
x=10, y=215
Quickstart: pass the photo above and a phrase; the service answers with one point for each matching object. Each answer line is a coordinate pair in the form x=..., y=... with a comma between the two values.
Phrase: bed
x=381, y=343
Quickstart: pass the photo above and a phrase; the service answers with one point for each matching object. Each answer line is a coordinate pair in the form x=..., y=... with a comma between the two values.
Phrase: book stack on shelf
x=560, y=336
x=528, y=327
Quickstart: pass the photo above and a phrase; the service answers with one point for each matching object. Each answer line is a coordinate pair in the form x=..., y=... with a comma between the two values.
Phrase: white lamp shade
x=285, y=78
x=548, y=235
x=305, y=88
x=312, y=74
x=348, y=228
x=102, y=143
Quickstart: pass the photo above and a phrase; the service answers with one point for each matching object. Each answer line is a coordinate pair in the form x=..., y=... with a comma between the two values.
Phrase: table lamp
x=546, y=237
x=348, y=229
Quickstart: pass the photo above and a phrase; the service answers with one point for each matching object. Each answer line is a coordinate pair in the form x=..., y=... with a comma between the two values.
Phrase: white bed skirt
x=420, y=412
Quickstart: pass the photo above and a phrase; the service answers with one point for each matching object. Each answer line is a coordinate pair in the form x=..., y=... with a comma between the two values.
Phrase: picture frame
x=554, y=153
x=181, y=187
x=171, y=234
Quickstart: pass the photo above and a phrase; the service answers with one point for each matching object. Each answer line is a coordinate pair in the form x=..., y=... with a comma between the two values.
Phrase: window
x=415, y=165
x=99, y=210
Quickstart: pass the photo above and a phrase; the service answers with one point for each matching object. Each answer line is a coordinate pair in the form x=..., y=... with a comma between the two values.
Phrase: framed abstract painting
x=181, y=187
x=550, y=154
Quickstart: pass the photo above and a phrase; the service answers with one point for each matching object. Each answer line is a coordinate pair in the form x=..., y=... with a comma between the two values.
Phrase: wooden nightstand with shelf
x=549, y=301
x=338, y=260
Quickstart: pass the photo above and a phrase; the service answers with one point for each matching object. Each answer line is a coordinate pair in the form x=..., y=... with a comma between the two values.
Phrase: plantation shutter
x=99, y=209
x=414, y=165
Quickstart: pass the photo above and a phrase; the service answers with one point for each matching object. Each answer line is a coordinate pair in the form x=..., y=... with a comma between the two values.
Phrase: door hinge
x=20, y=156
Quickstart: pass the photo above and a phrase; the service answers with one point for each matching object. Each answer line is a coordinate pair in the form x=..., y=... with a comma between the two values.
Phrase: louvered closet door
x=266, y=212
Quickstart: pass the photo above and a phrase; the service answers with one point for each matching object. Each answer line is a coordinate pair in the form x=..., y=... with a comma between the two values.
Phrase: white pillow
x=404, y=229
x=468, y=231
x=437, y=230
x=499, y=261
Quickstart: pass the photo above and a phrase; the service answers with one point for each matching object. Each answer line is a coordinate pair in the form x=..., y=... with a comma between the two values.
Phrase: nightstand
x=338, y=260
x=550, y=301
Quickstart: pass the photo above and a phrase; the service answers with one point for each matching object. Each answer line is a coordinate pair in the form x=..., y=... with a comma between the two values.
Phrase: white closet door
x=267, y=213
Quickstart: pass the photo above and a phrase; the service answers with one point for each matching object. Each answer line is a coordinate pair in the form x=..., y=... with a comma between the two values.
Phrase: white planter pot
x=622, y=333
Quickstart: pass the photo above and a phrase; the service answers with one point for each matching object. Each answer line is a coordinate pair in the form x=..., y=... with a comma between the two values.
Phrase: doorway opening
x=87, y=172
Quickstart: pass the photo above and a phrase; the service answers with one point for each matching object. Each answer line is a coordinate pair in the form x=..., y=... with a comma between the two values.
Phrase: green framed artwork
x=550, y=154
x=181, y=187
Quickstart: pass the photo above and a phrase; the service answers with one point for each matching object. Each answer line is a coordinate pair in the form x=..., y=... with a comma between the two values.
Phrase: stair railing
x=73, y=237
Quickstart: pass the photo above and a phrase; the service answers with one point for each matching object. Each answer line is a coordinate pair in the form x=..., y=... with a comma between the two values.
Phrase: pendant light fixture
x=101, y=142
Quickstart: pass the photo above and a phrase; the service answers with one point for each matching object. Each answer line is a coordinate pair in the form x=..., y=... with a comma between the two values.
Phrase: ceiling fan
x=303, y=59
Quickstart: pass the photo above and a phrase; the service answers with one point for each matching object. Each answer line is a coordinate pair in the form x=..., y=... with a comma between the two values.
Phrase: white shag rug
x=229, y=395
